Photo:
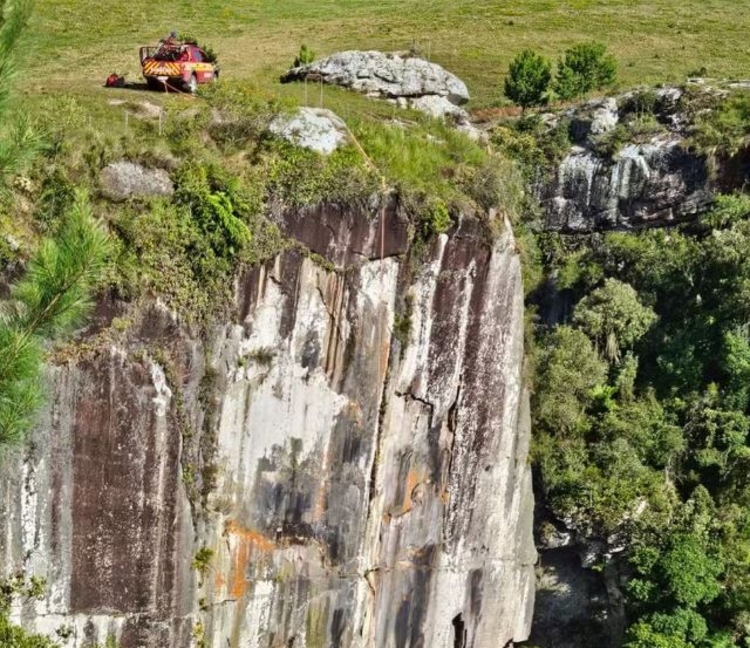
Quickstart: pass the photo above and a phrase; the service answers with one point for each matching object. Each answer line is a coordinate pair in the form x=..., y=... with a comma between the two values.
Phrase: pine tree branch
x=51, y=299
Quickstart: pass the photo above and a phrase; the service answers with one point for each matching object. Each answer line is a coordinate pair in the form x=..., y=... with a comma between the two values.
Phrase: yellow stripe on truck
x=159, y=68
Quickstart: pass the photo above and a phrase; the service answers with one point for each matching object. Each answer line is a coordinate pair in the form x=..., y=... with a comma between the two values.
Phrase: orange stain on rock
x=413, y=479
x=248, y=544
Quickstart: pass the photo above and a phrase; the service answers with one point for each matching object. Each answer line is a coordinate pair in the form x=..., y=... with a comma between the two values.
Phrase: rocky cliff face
x=623, y=172
x=348, y=485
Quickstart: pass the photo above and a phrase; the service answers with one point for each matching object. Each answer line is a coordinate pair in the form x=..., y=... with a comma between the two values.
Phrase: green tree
x=583, y=68
x=669, y=421
x=737, y=366
x=305, y=56
x=528, y=79
x=613, y=317
x=716, y=436
x=734, y=525
x=678, y=569
x=689, y=570
x=727, y=210
x=568, y=371
x=681, y=629
x=50, y=300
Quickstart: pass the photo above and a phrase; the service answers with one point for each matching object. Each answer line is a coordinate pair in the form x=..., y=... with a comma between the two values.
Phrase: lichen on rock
x=383, y=75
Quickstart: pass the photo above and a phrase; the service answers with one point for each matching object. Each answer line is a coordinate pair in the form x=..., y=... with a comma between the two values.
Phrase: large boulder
x=317, y=129
x=384, y=75
x=122, y=180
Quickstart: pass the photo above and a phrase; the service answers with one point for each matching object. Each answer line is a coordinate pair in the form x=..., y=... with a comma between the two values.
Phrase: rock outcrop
x=383, y=75
x=410, y=81
x=348, y=486
x=316, y=129
x=122, y=180
x=648, y=180
x=655, y=183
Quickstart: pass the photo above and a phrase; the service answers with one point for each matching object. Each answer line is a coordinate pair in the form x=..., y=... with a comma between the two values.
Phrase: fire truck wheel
x=192, y=84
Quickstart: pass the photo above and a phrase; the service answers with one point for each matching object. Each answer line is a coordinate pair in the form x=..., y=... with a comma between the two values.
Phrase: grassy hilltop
x=74, y=44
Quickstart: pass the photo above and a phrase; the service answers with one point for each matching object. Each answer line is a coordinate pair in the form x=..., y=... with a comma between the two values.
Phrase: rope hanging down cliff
x=383, y=193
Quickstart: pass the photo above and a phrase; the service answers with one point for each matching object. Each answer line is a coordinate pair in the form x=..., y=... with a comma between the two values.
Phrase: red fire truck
x=176, y=64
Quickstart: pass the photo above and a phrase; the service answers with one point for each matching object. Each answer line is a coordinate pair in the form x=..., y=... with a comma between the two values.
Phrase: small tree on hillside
x=613, y=317
x=305, y=56
x=528, y=79
x=585, y=67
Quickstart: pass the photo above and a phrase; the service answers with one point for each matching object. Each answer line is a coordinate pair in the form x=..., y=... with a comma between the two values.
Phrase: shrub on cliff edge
x=528, y=79
x=585, y=67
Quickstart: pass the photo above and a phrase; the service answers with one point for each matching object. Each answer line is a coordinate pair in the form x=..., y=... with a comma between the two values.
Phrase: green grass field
x=73, y=44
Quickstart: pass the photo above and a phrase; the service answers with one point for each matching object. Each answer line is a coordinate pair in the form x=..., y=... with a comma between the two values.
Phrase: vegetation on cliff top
x=583, y=68
x=230, y=173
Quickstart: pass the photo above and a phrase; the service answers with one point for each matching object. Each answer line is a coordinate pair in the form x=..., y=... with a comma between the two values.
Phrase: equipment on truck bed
x=176, y=64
